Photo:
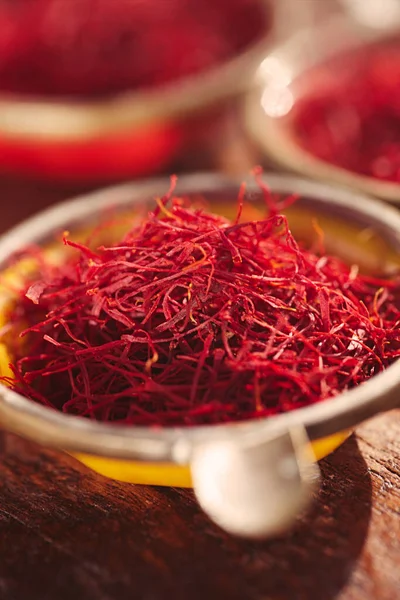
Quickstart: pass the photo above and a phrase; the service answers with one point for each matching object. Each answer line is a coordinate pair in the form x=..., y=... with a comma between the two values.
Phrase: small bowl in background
x=282, y=81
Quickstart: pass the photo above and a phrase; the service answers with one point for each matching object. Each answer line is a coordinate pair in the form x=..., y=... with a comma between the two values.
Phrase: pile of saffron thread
x=350, y=117
x=193, y=318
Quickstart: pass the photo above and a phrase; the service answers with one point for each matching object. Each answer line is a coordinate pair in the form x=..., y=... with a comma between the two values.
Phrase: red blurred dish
x=99, y=89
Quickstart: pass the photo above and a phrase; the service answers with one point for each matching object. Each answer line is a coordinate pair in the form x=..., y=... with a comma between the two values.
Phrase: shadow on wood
x=67, y=533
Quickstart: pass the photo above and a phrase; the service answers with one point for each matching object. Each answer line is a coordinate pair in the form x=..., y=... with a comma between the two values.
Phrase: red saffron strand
x=192, y=319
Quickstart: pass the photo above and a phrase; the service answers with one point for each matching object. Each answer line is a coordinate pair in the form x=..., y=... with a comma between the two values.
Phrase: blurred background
x=94, y=92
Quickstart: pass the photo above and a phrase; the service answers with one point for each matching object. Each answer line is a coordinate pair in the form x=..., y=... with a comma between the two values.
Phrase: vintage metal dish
x=267, y=108
x=252, y=477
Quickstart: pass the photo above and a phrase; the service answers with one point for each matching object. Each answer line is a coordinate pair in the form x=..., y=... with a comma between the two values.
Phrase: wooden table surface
x=69, y=534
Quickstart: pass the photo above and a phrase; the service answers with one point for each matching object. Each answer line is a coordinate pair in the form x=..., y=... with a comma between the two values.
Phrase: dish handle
x=256, y=486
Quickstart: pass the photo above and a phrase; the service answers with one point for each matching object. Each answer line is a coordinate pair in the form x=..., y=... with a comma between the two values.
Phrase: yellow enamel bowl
x=282, y=79
x=360, y=230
